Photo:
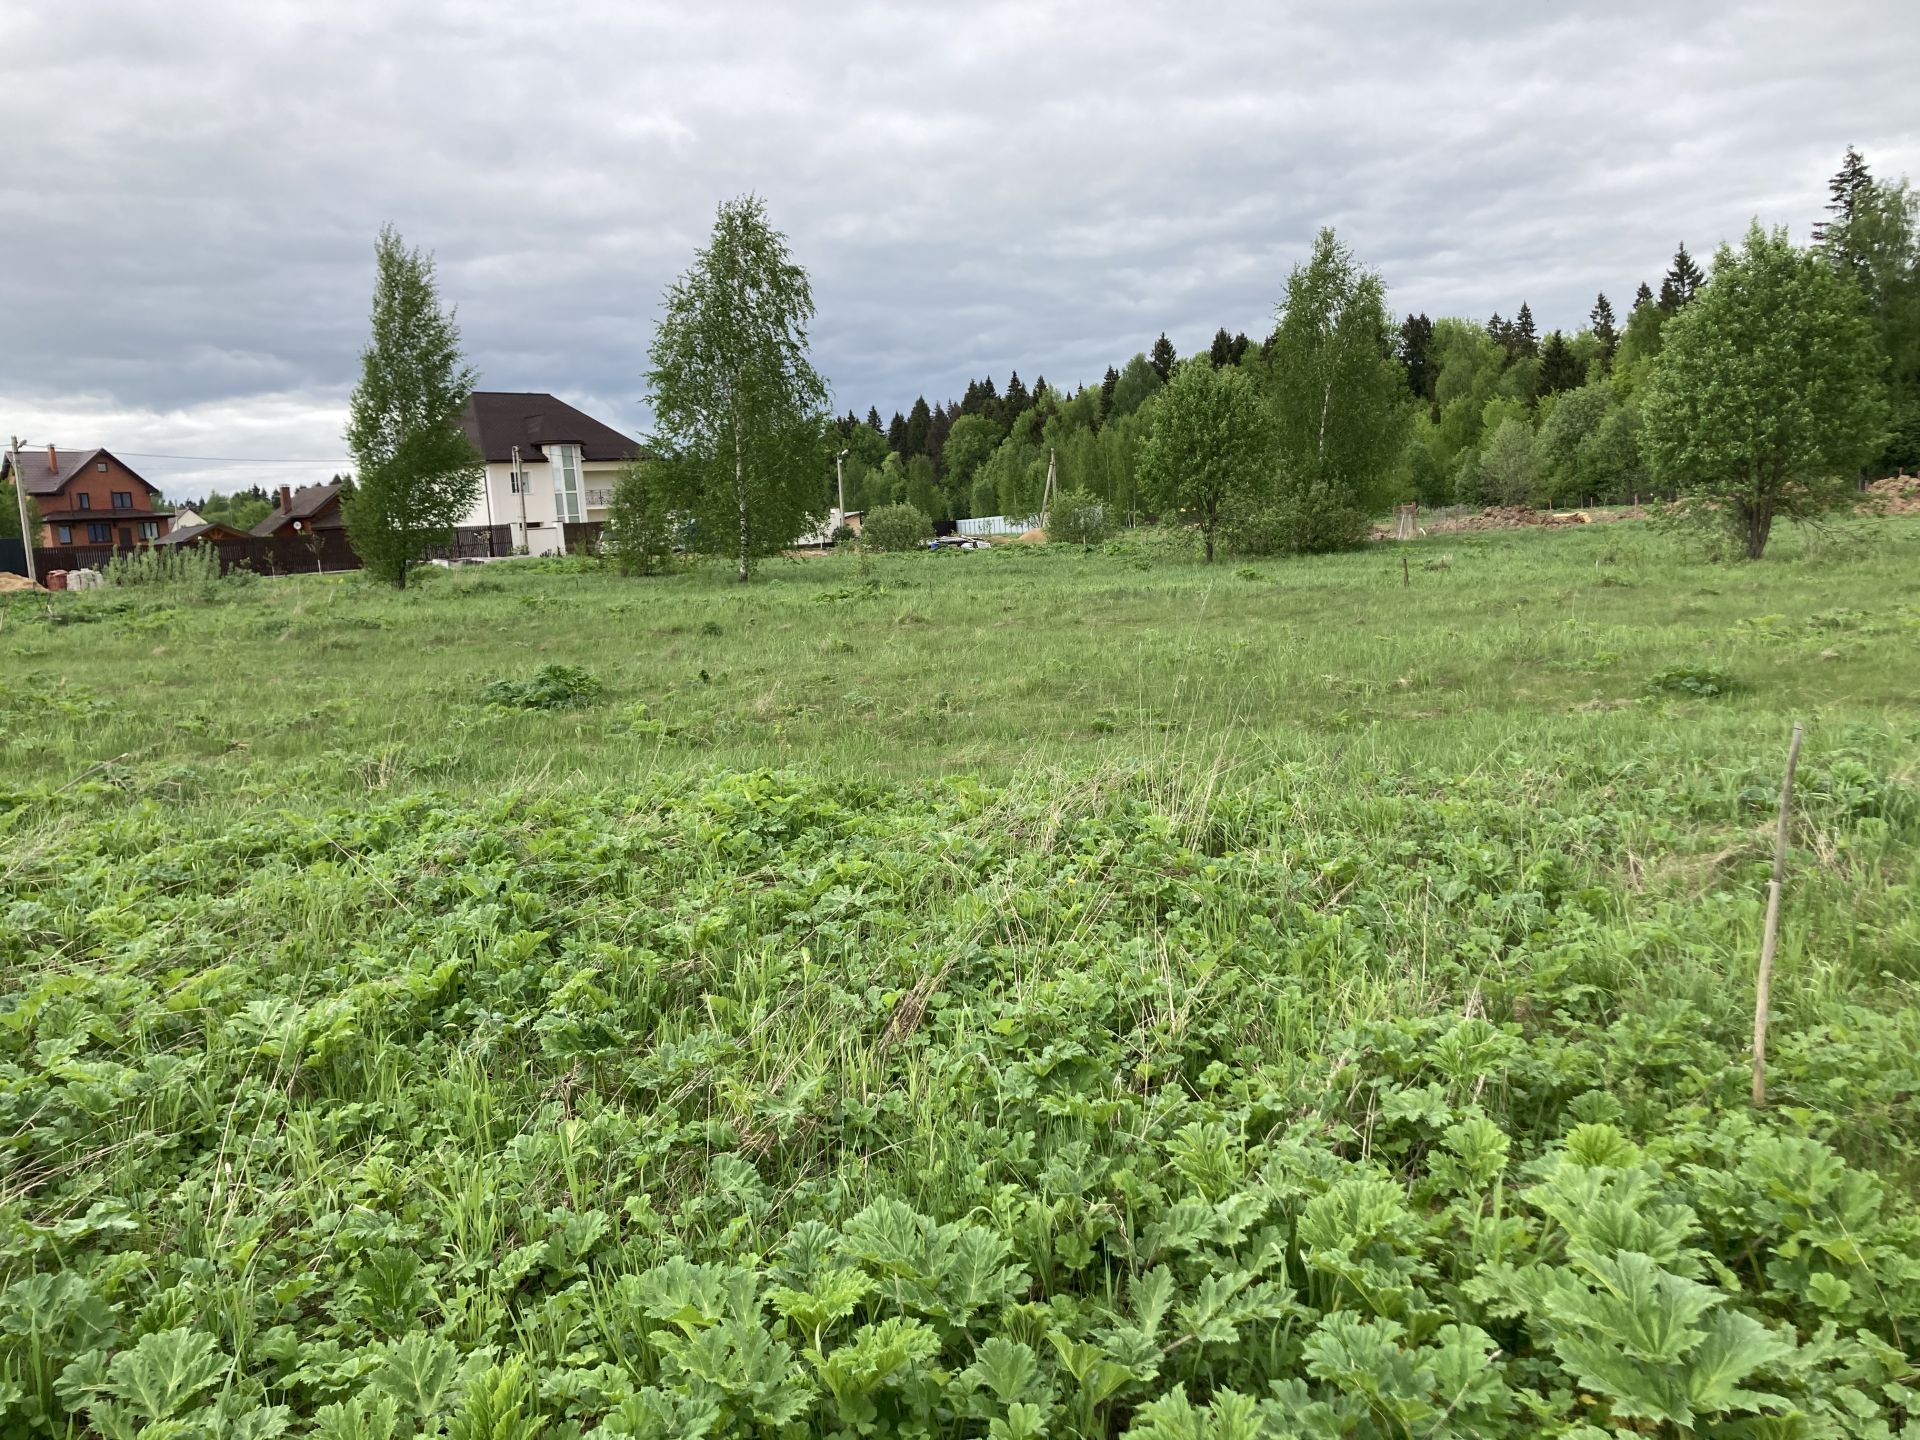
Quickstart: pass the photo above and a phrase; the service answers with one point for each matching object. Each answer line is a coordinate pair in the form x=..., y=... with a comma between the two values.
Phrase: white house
x=567, y=463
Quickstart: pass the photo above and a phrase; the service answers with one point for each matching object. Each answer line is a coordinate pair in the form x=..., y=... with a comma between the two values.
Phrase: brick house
x=89, y=498
x=303, y=512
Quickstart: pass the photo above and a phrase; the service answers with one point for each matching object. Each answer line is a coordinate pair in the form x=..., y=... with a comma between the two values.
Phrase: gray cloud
x=191, y=191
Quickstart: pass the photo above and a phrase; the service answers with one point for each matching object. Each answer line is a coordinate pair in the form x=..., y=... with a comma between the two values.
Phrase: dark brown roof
x=109, y=514
x=497, y=420
x=213, y=530
x=44, y=479
x=308, y=500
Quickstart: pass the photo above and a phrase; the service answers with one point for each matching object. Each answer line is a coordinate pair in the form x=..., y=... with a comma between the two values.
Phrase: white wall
x=537, y=526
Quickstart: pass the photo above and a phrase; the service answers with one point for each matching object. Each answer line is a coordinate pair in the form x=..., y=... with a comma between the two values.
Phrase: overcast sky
x=190, y=191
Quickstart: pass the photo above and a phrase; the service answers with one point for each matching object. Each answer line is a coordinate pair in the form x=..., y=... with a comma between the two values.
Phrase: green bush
x=895, y=527
x=639, y=536
x=1077, y=519
x=553, y=687
x=1701, y=680
x=188, y=569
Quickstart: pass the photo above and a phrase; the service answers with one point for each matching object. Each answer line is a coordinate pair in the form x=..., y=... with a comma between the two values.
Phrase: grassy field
x=1025, y=994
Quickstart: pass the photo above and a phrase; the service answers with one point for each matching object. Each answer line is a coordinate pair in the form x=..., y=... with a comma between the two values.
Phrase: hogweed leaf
x=157, y=1376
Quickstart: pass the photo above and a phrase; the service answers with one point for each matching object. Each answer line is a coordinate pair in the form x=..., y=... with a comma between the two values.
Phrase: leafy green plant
x=1704, y=681
x=552, y=687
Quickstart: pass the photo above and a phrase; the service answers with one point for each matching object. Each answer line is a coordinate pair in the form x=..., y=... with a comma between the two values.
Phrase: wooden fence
x=319, y=551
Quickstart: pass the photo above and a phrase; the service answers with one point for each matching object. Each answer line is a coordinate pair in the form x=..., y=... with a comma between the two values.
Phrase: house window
x=149, y=529
x=566, y=483
x=86, y=501
x=63, y=534
x=98, y=531
x=123, y=499
x=513, y=482
x=101, y=467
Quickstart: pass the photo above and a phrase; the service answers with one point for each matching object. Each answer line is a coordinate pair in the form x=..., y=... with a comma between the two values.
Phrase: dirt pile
x=1895, y=495
x=1511, y=517
x=9, y=582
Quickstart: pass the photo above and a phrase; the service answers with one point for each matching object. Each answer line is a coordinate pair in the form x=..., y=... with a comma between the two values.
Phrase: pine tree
x=1526, y=340
x=1500, y=332
x=1039, y=389
x=1642, y=296
x=1416, y=334
x=419, y=475
x=1221, y=351
x=1107, y=384
x=1604, y=329
x=1161, y=357
x=1681, y=281
x=1016, y=399
x=897, y=434
x=873, y=420
x=1237, y=351
x=1849, y=183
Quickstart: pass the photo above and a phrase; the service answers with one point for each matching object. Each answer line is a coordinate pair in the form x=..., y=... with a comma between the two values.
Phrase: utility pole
x=840, y=483
x=27, y=538
x=520, y=485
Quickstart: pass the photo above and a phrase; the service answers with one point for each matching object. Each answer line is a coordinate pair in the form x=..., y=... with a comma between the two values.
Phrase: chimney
x=53, y=461
x=286, y=500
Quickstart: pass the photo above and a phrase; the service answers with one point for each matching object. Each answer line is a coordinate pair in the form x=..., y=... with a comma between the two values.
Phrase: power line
x=234, y=459
x=209, y=459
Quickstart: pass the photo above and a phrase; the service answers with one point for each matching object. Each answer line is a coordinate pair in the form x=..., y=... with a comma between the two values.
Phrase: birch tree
x=417, y=474
x=739, y=411
x=1341, y=408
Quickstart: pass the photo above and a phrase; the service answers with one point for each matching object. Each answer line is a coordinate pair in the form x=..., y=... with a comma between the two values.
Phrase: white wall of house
x=531, y=512
x=547, y=507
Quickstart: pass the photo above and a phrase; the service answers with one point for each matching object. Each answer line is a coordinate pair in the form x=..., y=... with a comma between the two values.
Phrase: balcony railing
x=599, y=499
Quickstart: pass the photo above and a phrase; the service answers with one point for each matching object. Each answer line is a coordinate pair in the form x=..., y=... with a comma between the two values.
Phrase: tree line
x=1763, y=389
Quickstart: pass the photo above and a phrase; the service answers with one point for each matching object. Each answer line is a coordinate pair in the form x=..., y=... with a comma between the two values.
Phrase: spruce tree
x=897, y=434
x=1016, y=399
x=1559, y=370
x=873, y=420
x=1526, y=340
x=1681, y=281
x=1604, y=328
x=1237, y=351
x=1107, y=384
x=1642, y=296
x=1416, y=335
x=1501, y=333
x=1161, y=357
x=418, y=474
x=1221, y=351
x=918, y=418
x=1849, y=183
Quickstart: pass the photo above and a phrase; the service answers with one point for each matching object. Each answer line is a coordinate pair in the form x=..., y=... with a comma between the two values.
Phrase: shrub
x=553, y=687
x=185, y=568
x=1077, y=518
x=895, y=527
x=639, y=535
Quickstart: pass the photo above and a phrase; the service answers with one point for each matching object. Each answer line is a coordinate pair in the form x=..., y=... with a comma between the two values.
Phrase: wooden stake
x=1770, y=937
x=1405, y=578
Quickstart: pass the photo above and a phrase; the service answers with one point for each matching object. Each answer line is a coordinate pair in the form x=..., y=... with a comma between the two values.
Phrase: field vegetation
x=1059, y=991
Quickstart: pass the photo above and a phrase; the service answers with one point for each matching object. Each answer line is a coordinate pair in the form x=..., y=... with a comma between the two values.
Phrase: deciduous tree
x=738, y=407
x=1210, y=448
x=1340, y=400
x=418, y=475
x=1767, y=397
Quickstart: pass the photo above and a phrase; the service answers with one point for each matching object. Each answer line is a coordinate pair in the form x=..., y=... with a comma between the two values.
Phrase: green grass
x=1036, y=993
x=1501, y=648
